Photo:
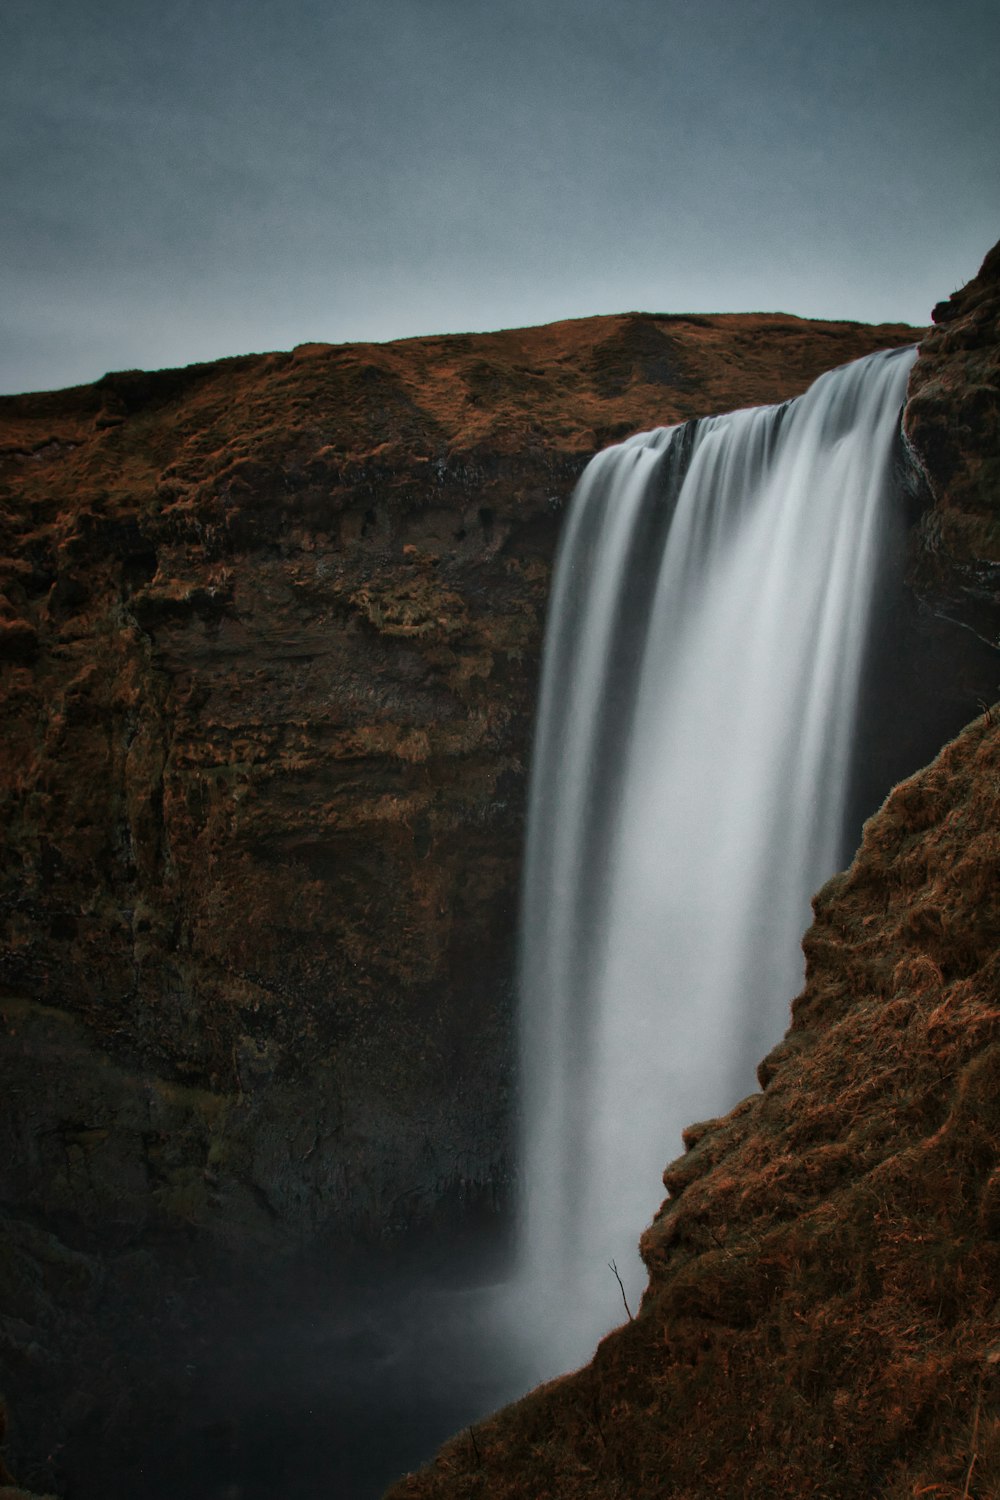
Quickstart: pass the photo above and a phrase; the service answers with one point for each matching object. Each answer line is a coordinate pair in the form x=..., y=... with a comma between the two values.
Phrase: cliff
x=269, y=632
x=821, y=1316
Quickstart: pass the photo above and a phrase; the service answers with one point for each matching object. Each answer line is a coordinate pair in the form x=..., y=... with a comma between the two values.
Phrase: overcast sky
x=184, y=179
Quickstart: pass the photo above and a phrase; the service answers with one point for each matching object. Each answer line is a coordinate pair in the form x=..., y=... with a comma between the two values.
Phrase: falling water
x=700, y=682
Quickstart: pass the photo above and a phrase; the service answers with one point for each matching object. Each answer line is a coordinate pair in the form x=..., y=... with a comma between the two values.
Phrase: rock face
x=822, y=1315
x=269, y=633
x=953, y=421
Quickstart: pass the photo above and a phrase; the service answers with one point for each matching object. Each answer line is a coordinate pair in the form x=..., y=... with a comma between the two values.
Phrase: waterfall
x=699, y=689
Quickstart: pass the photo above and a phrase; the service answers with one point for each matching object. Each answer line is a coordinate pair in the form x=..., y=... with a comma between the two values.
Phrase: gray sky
x=184, y=179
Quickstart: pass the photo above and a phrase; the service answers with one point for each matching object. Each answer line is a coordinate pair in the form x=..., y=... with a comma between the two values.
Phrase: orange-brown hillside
x=559, y=382
x=822, y=1315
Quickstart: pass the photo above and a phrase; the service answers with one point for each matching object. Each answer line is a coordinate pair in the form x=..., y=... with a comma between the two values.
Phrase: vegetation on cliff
x=822, y=1316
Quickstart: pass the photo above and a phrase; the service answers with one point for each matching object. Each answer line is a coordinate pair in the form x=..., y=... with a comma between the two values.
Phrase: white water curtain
x=706, y=636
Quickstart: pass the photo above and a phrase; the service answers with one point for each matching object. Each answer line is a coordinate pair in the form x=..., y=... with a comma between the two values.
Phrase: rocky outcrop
x=821, y=1315
x=269, y=633
x=953, y=421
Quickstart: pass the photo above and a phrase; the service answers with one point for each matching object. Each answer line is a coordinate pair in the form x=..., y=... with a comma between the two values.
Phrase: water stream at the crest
x=706, y=636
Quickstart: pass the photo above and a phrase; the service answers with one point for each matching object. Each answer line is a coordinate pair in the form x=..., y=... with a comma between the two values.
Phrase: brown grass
x=822, y=1317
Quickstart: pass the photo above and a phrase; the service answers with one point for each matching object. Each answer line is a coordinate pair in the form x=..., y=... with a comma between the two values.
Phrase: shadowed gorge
x=269, y=638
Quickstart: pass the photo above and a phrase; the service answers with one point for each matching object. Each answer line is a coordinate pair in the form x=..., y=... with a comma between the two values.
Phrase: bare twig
x=475, y=1448
x=614, y=1268
x=974, y=1439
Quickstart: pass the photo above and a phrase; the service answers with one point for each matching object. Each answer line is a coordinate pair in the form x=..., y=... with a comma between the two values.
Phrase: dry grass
x=822, y=1317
